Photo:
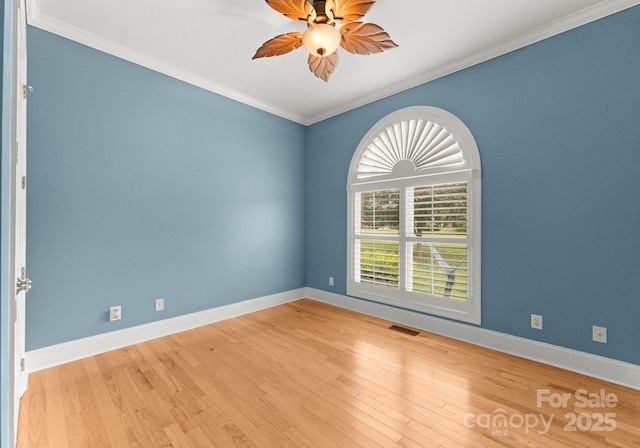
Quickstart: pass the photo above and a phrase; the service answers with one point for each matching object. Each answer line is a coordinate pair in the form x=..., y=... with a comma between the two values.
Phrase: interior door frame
x=13, y=168
x=20, y=195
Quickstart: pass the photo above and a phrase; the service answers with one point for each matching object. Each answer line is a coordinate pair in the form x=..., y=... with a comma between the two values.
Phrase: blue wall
x=142, y=186
x=557, y=125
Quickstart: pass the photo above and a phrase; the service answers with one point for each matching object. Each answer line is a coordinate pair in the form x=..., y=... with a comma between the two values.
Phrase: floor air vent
x=404, y=330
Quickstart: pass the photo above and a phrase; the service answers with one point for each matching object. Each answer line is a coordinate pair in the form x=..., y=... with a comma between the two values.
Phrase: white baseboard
x=618, y=372
x=54, y=355
x=611, y=370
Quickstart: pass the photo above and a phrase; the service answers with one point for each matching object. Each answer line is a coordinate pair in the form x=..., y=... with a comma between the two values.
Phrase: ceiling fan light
x=321, y=40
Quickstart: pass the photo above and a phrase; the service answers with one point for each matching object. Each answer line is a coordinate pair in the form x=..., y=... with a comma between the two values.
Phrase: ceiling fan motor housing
x=321, y=13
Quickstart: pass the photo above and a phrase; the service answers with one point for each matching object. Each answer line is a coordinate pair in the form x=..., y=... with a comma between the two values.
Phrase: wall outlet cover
x=600, y=334
x=115, y=313
x=536, y=321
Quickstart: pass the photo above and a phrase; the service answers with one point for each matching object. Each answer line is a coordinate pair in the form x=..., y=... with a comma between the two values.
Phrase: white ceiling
x=210, y=43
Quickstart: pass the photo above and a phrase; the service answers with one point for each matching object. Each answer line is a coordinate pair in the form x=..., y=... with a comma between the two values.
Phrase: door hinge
x=24, y=182
x=24, y=91
x=22, y=364
x=23, y=283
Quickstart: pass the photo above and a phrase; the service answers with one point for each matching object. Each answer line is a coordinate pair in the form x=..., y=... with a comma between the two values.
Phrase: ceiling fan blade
x=345, y=11
x=365, y=38
x=323, y=67
x=298, y=10
x=279, y=45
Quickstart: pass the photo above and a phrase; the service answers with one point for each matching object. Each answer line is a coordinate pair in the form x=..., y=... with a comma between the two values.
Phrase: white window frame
x=404, y=175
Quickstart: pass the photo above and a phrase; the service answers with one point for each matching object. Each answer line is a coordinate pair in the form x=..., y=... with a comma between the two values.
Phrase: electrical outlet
x=600, y=334
x=115, y=313
x=330, y=281
x=536, y=321
x=159, y=304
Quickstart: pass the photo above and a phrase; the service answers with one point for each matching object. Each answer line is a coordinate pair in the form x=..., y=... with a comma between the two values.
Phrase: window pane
x=438, y=270
x=379, y=212
x=378, y=262
x=439, y=210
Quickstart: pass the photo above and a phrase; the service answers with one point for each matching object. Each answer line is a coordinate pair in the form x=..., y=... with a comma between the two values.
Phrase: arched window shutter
x=414, y=215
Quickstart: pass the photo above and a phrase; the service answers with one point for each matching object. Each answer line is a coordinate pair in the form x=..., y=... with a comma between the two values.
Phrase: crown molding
x=583, y=17
x=34, y=18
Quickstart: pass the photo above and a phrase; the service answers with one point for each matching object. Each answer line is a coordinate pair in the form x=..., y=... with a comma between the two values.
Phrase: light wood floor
x=307, y=374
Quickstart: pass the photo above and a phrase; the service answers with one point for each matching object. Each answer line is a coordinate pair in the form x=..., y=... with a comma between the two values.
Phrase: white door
x=23, y=284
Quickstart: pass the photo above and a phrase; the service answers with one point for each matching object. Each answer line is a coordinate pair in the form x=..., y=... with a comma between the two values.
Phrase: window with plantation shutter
x=378, y=243
x=414, y=215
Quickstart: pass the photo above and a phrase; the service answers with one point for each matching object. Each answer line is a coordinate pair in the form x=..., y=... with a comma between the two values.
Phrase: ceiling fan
x=322, y=37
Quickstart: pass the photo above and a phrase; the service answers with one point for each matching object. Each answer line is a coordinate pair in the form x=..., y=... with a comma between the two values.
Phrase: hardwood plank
x=76, y=430
x=69, y=393
x=23, y=422
x=38, y=435
x=220, y=428
x=145, y=430
x=177, y=437
x=307, y=374
x=256, y=427
x=56, y=424
x=199, y=439
x=110, y=414
x=95, y=428
x=231, y=367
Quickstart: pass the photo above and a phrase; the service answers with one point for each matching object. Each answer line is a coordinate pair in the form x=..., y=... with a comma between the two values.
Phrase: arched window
x=414, y=215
